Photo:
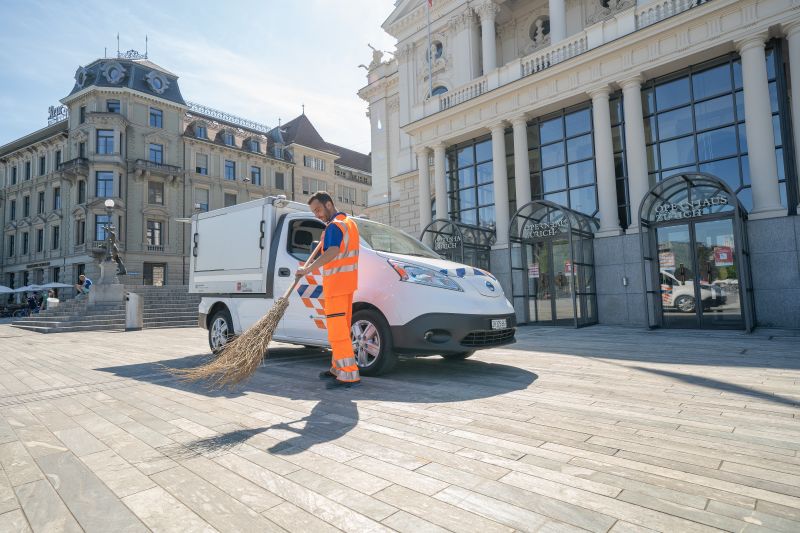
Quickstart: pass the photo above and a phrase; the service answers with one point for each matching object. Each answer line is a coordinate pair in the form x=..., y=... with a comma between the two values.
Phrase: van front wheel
x=372, y=343
x=220, y=330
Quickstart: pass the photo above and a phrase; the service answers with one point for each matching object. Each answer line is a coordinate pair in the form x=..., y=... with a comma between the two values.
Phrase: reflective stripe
x=345, y=268
x=351, y=253
x=347, y=361
x=346, y=376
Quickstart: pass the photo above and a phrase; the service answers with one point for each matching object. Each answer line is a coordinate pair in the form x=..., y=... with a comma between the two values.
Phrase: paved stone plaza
x=600, y=429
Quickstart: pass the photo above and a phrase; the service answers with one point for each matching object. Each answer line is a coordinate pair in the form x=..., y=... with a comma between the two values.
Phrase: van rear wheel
x=220, y=330
x=372, y=343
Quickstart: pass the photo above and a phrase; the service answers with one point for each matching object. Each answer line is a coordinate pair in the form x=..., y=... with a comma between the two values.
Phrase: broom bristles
x=240, y=358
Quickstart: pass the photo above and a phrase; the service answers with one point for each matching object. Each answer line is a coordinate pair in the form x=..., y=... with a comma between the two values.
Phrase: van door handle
x=284, y=272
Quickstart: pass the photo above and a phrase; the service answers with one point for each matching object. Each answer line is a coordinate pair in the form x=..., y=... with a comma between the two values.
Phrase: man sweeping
x=339, y=262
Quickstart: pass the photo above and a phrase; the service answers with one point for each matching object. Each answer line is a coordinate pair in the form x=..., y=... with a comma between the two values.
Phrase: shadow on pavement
x=291, y=373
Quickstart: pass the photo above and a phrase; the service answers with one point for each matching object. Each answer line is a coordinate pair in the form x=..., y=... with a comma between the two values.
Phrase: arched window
x=439, y=89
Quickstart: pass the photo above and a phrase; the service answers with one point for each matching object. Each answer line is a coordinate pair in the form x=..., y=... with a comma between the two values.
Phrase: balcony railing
x=144, y=165
x=552, y=55
x=653, y=12
x=476, y=88
x=79, y=165
x=155, y=248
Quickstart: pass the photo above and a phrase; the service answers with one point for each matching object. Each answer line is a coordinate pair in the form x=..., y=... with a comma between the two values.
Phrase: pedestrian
x=339, y=262
x=33, y=305
x=83, y=286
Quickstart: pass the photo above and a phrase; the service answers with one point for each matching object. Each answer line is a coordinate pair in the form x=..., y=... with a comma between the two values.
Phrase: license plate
x=500, y=323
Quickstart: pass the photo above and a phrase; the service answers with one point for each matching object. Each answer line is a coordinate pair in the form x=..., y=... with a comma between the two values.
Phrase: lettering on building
x=57, y=114
x=532, y=230
x=446, y=242
x=689, y=209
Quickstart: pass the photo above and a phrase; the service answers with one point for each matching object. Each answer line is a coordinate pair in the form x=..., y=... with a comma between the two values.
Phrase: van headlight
x=423, y=276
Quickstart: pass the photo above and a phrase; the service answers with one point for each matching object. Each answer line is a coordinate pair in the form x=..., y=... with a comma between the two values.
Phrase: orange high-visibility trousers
x=339, y=314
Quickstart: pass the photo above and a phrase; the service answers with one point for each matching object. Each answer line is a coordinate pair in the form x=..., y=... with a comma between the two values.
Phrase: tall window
x=314, y=162
x=82, y=149
x=156, y=118
x=25, y=243
x=255, y=175
x=694, y=121
x=12, y=210
x=156, y=153
x=200, y=132
x=620, y=166
x=82, y=114
x=154, y=233
x=311, y=185
x=80, y=231
x=227, y=138
x=470, y=178
x=112, y=106
x=230, y=170
x=55, y=241
x=279, y=184
x=201, y=164
x=39, y=240
x=105, y=141
x=14, y=175
x=561, y=151
x=201, y=199
x=100, y=222
x=56, y=197
x=26, y=206
x=254, y=145
x=230, y=199
x=81, y=191
x=40, y=203
x=347, y=195
x=42, y=165
x=104, y=184
x=155, y=192
x=56, y=277
x=27, y=170
x=58, y=158
x=11, y=250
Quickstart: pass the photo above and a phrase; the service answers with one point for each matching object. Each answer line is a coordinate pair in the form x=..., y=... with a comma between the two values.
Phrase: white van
x=680, y=294
x=409, y=301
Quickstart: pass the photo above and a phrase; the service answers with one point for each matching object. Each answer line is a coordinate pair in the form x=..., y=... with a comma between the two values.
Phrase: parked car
x=680, y=295
x=409, y=301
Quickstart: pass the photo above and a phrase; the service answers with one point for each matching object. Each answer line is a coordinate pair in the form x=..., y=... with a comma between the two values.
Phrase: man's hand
x=300, y=272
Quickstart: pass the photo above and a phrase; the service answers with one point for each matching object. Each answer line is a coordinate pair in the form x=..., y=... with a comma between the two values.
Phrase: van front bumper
x=442, y=333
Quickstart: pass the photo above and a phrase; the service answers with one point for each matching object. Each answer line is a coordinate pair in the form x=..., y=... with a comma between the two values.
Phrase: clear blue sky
x=260, y=59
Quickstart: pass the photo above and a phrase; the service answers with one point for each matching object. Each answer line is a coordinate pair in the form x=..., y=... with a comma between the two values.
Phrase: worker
x=339, y=262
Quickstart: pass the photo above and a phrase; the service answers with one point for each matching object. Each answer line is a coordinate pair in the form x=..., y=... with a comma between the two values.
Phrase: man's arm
x=326, y=257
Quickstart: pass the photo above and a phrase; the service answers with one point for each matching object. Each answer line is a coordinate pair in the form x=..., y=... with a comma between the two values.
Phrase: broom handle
x=308, y=262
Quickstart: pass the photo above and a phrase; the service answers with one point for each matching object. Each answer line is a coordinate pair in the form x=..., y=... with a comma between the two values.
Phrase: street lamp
x=109, y=228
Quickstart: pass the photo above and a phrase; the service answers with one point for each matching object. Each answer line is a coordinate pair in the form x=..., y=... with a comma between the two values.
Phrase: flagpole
x=430, y=52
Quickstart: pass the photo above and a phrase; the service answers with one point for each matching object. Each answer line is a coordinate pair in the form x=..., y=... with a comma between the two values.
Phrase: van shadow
x=291, y=373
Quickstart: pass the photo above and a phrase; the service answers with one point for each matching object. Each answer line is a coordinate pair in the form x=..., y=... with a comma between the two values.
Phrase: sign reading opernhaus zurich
x=543, y=229
x=689, y=209
x=446, y=242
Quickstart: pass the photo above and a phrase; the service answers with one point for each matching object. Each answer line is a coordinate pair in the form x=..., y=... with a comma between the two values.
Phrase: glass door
x=718, y=274
x=540, y=283
x=563, y=283
x=676, y=269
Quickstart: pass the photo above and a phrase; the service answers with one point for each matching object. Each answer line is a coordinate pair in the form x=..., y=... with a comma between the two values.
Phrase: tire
x=220, y=330
x=369, y=328
x=460, y=356
x=685, y=304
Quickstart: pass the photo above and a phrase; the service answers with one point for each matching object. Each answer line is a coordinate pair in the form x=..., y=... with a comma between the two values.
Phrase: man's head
x=82, y=277
x=321, y=205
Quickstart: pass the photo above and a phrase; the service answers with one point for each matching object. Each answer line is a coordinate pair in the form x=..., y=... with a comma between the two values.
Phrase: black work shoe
x=336, y=384
x=326, y=375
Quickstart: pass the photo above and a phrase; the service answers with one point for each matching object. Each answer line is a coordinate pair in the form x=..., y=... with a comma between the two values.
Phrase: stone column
x=793, y=39
x=558, y=21
x=758, y=124
x=635, y=148
x=604, y=163
x=500, y=178
x=424, y=187
x=440, y=182
x=522, y=170
x=487, y=11
x=474, y=44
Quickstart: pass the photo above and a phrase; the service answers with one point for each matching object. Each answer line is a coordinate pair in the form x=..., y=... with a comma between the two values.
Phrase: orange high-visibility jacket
x=340, y=276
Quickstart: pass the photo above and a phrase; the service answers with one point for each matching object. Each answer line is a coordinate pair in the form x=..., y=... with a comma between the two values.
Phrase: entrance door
x=698, y=275
x=155, y=274
x=551, y=283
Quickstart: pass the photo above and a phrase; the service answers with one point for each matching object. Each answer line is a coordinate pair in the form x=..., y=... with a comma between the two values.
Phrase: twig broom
x=240, y=358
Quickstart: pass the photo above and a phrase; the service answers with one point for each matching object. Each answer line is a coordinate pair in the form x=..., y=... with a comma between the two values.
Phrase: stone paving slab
x=600, y=429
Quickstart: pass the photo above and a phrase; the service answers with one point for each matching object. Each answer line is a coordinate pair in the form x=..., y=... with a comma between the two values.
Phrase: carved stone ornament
x=605, y=9
x=157, y=82
x=533, y=32
x=81, y=76
x=113, y=72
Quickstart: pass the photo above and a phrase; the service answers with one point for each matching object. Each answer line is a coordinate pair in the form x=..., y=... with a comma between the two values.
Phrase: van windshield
x=382, y=238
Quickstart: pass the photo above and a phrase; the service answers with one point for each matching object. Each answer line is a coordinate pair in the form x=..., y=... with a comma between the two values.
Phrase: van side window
x=301, y=234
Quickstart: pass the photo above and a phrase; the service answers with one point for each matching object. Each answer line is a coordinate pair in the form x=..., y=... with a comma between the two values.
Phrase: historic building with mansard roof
x=621, y=162
x=125, y=132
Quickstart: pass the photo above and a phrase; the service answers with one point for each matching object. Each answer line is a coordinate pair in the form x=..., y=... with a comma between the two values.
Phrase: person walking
x=339, y=262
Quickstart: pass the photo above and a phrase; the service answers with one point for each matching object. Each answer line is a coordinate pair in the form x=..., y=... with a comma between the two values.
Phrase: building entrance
x=695, y=255
x=552, y=266
x=459, y=242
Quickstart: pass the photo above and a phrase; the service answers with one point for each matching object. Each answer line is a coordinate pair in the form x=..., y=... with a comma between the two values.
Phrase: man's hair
x=320, y=196
x=82, y=276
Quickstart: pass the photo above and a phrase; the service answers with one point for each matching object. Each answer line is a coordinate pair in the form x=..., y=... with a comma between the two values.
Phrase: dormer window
x=200, y=132
x=227, y=139
x=255, y=146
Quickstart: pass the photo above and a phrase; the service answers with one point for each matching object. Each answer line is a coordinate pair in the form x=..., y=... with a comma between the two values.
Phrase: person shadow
x=287, y=383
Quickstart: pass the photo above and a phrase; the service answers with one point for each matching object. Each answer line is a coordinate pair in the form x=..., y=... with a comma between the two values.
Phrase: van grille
x=488, y=337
